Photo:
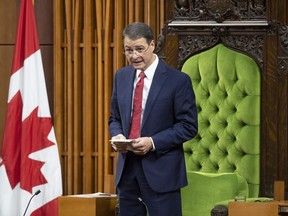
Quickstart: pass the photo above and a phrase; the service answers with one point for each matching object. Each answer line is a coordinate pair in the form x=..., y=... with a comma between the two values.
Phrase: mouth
x=137, y=62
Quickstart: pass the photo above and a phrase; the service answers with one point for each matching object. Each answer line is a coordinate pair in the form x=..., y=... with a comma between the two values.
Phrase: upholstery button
x=242, y=124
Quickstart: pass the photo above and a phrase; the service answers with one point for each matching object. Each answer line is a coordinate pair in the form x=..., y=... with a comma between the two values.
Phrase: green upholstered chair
x=223, y=160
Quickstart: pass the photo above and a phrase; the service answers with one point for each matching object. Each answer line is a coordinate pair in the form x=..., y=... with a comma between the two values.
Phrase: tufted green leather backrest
x=227, y=89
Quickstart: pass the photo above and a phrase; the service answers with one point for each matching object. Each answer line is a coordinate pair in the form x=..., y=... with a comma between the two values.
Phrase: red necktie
x=137, y=108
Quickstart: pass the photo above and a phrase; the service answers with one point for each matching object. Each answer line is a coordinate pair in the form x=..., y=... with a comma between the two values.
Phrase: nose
x=135, y=54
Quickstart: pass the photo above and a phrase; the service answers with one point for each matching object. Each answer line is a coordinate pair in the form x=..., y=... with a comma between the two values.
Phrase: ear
x=152, y=44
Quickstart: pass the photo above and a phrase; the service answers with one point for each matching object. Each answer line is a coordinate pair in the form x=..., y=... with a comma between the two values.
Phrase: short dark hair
x=138, y=30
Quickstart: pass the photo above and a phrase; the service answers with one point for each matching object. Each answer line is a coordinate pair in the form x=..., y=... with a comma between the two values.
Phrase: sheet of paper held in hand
x=125, y=143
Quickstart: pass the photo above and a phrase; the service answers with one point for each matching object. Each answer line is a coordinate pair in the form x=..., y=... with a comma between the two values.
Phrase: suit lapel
x=159, y=79
x=128, y=89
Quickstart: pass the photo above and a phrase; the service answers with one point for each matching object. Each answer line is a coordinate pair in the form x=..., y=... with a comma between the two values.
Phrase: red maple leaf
x=20, y=140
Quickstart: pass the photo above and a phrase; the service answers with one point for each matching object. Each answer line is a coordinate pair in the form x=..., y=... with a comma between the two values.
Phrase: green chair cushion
x=227, y=89
x=206, y=189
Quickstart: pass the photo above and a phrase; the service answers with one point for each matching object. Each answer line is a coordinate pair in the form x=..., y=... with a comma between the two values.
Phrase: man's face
x=139, y=53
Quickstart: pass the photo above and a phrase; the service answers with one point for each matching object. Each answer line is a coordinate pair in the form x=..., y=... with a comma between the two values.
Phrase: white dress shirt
x=149, y=73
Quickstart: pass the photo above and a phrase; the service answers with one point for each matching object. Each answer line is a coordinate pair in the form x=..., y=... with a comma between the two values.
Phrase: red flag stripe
x=27, y=37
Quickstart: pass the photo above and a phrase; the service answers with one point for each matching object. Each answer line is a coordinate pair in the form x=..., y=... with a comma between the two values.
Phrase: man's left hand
x=142, y=145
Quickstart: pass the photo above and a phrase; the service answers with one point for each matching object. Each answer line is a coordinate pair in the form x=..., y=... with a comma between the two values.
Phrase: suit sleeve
x=185, y=111
x=115, y=118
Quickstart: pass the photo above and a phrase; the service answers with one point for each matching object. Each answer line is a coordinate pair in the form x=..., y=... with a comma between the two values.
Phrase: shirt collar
x=150, y=71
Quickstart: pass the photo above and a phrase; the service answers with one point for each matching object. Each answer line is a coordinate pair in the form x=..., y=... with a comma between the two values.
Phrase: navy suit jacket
x=170, y=118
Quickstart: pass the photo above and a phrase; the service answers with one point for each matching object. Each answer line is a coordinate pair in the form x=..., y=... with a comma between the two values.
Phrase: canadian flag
x=29, y=160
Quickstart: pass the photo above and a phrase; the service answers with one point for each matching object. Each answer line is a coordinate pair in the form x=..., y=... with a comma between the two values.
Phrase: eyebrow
x=134, y=46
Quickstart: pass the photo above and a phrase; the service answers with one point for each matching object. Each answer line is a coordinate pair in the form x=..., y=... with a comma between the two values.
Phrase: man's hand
x=122, y=147
x=142, y=145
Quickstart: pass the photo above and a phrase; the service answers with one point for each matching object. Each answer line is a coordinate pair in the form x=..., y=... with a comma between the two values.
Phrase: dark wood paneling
x=47, y=59
x=8, y=21
x=6, y=53
x=44, y=20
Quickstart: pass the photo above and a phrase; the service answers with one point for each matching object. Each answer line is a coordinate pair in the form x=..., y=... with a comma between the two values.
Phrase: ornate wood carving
x=249, y=44
x=192, y=44
x=282, y=66
x=220, y=10
x=273, y=27
x=160, y=41
x=283, y=36
x=252, y=45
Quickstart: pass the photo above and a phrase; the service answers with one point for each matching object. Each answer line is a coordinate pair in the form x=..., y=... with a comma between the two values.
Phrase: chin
x=138, y=66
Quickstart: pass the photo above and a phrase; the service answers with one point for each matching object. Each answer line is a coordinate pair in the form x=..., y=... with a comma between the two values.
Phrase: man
x=151, y=167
